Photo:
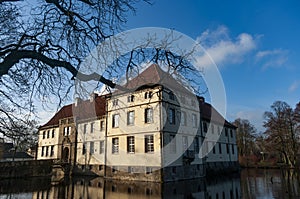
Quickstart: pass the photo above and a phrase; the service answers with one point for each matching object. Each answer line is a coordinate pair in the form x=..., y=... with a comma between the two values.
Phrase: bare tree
x=246, y=134
x=41, y=52
x=281, y=131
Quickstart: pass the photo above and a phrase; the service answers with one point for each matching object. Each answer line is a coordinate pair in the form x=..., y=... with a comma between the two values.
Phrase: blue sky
x=256, y=71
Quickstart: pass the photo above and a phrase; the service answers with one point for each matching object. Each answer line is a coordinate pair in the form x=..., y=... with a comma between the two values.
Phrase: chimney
x=93, y=96
x=201, y=99
x=77, y=101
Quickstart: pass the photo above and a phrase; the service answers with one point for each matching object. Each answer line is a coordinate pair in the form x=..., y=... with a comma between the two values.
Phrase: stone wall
x=23, y=169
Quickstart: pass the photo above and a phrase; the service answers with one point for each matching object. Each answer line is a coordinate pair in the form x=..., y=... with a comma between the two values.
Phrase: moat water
x=250, y=183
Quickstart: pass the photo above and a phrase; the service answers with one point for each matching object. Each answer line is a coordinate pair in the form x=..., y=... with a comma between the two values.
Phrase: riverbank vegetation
x=278, y=146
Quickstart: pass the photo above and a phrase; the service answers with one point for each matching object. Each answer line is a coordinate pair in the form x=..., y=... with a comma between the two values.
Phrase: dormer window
x=130, y=98
x=148, y=95
x=171, y=95
x=115, y=102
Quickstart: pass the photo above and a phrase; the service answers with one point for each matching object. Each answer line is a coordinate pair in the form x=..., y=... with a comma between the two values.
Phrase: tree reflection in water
x=270, y=183
x=251, y=183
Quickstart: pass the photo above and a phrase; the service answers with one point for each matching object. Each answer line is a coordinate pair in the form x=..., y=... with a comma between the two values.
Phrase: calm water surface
x=250, y=183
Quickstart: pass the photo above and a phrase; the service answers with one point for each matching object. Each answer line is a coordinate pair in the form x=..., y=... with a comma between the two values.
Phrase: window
x=171, y=116
x=174, y=170
x=48, y=134
x=184, y=143
x=231, y=134
x=220, y=148
x=83, y=149
x=130, y=98
x=67, y=130
x=130, y=144
x=226, y=132
x=148, y=170
x=53, y=133
x=115, y=120
x=183, y=118
x=196, y=145
x=51, y=150
x=148, y=191
x=44, y=134
x=115, y=145
x=130, y=118
x=114, y=169
x=149, y=143
x=102, y=126
x=171, y=95
x=227, y=148
x=148, y=95
x=115, y=102
x=193, y=103
x=130, y=169
x=232, y=148
x=214, y=149
x=101, y=149
x=172, y=143
x=84, y=128
x=194, y=120
x=92, y=127
x=92, y=148
x=205, y=127
x=43, y=151
x=182, y=99
x=148, y=115
x=47, y=149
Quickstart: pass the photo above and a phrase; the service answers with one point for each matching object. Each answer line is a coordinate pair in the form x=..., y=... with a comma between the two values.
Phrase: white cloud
x=272, y=58
x=294, y=86
x=222, y=49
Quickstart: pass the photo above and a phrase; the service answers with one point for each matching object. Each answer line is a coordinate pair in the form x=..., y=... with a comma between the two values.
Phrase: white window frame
x=115, y=120
x=184, y=143
x=194, y=120
x=171, y=116
x=130, y=117
x=183, y=118
x=130, y=144
x=172, y=143
x=149, y=115
x=92, y=147
x=101, y=147
x=149, y=143
x=92, y=125
x=115, y=145
x=102, y=125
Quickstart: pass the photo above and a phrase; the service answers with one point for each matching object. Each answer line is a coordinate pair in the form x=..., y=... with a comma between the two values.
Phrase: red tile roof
x=84, y=110
x=154, y=75
x=151, y=76
x=209, y=113
x=87, y=109
x=64, y=112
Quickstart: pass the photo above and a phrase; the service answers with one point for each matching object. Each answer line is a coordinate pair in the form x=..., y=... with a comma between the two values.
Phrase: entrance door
x=65, y=156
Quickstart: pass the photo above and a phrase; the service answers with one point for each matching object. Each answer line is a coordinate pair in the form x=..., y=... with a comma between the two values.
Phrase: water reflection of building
x=98, y=188
x=153, y=133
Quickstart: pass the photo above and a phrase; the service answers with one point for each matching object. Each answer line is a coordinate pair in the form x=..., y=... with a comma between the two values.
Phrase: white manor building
x=155, y=132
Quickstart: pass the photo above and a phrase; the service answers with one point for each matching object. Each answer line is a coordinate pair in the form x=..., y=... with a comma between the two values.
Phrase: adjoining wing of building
x=156, y=131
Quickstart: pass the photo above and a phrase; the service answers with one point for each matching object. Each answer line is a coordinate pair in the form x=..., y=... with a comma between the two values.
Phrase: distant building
x=8, y=153
x=155, y=132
